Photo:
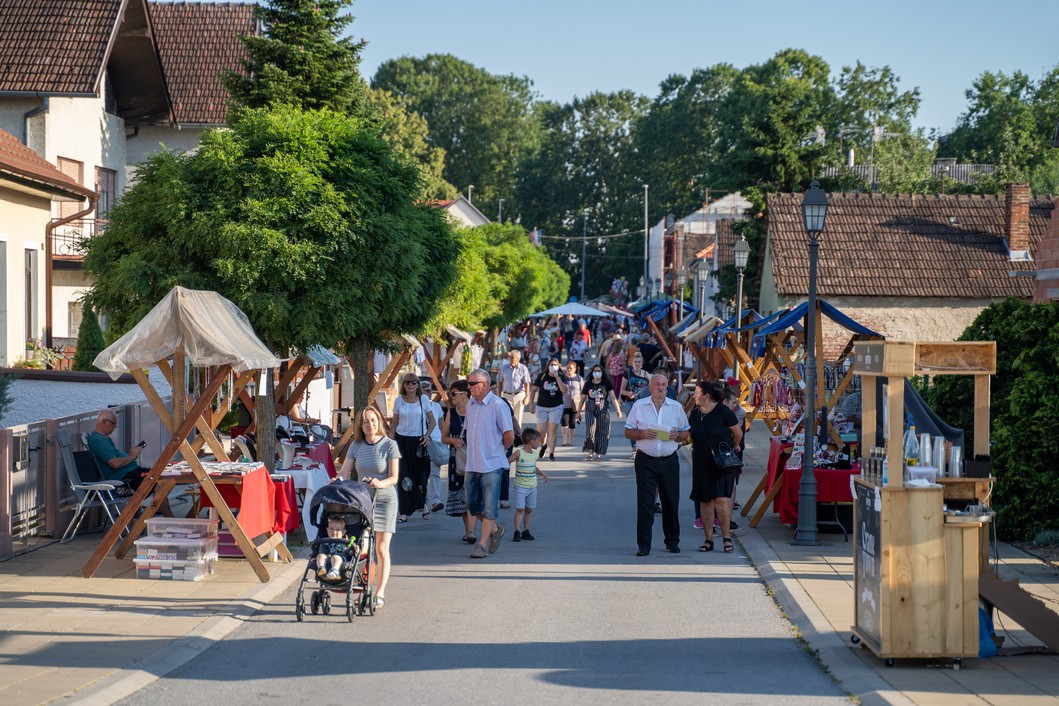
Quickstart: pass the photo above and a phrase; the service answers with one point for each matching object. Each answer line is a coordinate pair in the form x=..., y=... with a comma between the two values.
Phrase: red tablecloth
x=779, y=452
x=262, y=510
x=321, y=453
x=832, y=486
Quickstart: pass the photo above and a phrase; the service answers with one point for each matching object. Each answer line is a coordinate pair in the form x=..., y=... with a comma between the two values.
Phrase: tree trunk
x=265, y=414
x=361, y=357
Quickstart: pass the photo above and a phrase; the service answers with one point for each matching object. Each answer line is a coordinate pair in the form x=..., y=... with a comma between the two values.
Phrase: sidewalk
x=61, y=634
x=98, y=640
x=814, y=586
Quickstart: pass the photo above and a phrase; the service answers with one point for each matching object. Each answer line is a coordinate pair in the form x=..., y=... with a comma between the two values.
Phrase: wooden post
x=179, y=437
x=981, y=415
x=868, y=422
x=895, y=448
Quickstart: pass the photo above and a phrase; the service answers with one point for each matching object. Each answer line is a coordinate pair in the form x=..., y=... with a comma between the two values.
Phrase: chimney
x=1017, y=221
x=1047, y=284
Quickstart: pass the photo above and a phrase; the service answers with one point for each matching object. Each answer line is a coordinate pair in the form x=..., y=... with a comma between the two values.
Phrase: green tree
x=869, y=107
x=5, y=392
x=774, y=123
x=305, y=219
x=300, y=59
x=582, y=173
x=523, y=279
x=486, y=124
x=903, y=162
x=90, y=341
x=406, y=131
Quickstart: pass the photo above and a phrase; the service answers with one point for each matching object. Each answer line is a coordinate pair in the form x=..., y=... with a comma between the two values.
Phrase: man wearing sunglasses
x=489, y=433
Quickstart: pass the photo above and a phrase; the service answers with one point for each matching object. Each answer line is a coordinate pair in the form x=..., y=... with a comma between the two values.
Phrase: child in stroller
x=335, y=550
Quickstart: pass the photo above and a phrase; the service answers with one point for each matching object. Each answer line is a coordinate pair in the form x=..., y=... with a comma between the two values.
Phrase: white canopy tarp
x=570, y=308
x=210, y=329
x=695, y=333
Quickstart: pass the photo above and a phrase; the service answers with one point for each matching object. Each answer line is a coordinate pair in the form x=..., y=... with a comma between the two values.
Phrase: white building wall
x=13, y=115
x=80, y=129
x=68, y=288
x=144, y=142
x=22, y=221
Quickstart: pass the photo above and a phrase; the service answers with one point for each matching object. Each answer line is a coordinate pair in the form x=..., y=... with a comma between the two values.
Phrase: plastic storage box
x=161, y=569
x=176, y=549
x=181, y=528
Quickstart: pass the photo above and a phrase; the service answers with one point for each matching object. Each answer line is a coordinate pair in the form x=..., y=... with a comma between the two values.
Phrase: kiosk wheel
x=889, y=661
x=957, y=662
x=854, y=639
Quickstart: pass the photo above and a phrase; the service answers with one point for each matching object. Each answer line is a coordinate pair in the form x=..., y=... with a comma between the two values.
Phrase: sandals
x=402, y=518
x=379, y=601
x=707, y=546
x=469, y=538
x=728, y=546
x=426, y=515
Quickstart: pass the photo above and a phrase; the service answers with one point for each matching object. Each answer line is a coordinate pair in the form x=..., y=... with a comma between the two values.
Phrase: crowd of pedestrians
x=480, y=437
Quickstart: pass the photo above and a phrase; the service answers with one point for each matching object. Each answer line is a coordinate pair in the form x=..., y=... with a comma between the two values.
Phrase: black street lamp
x=742, y=256
x=814, y=211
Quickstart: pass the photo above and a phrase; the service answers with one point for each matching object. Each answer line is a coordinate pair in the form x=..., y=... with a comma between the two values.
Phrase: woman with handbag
x=597, y=399
x=413, y=420
x=455, y=436
x=715, y=433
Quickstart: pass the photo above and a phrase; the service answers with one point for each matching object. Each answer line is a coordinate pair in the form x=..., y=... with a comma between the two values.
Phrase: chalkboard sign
x=867, y=569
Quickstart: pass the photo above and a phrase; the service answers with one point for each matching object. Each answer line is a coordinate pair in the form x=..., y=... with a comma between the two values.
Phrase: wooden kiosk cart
x=915, y=570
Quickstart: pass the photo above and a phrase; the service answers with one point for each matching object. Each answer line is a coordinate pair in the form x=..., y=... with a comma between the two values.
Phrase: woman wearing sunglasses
x=413, y=421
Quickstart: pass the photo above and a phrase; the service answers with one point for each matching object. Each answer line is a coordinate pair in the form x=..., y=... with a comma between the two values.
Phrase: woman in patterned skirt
x=597, y=399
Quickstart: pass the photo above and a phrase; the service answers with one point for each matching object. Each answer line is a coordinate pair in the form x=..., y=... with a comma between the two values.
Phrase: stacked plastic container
x=177, y=549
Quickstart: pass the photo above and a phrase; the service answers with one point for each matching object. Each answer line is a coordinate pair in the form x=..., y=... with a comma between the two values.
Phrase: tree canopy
x=305, y=219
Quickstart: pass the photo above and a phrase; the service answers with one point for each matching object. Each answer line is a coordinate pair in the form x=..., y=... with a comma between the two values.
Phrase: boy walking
x=525, y=459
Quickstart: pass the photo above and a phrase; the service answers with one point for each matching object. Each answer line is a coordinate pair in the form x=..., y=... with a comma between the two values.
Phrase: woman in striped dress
x=597, y=399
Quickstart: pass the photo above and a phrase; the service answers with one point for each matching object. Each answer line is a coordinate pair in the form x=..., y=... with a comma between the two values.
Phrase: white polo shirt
x=643, y=415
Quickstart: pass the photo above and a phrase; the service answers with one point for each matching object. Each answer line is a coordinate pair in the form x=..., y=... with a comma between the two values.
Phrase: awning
x=793, y=319
x=208, y=328
x=319, y=356
x=456, y=333
x=570, y=308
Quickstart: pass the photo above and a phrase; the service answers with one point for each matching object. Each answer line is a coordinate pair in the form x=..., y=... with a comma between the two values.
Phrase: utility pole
x=646, y=238
x=584, y=239
x=500, y=212
x=470, y=192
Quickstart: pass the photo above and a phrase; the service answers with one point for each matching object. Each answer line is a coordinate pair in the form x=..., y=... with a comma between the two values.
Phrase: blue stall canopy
x=658, y=309
x=793, y=319
x=719, y=336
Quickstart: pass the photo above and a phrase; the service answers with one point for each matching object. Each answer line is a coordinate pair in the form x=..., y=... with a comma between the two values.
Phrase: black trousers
x=663, y=475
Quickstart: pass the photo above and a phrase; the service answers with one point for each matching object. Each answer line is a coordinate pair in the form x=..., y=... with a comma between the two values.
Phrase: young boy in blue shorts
x=525, y=459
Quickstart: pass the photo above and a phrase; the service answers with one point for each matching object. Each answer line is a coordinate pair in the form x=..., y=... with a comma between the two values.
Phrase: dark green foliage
x=301, y=59
x=5, y=392
x=306, y=220
x=486, y=124
x=90, y=342
x=1024, y=409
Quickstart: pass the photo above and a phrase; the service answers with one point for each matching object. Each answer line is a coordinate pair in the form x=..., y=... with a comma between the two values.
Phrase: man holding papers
x=658, y=425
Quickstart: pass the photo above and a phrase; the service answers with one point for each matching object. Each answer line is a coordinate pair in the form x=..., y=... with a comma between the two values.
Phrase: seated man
x=113, y=463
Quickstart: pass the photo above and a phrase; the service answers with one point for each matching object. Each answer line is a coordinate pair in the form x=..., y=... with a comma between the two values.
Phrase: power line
x=593, y=237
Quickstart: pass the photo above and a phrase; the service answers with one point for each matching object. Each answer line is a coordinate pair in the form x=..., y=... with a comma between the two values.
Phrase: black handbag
x=726, y=458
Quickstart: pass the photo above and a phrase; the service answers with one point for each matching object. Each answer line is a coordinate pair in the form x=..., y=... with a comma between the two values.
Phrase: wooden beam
x=148, y=483
x=299, y=390
x=981, y=415
x=661, y=339
x=895, y=448
x=204, y=425
x=294, y=366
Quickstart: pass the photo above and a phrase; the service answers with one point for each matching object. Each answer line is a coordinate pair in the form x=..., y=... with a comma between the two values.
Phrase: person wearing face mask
x=571, y=401
x=633, y=384
x=549, y=388
x=597, y=398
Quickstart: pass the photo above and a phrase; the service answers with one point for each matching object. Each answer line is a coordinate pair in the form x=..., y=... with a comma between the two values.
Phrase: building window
x=106, y=186
x=76, y=171
x=31, y=294
x=74, y=314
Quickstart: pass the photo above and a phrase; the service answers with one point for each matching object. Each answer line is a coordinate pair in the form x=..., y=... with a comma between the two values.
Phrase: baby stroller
x=351, y=501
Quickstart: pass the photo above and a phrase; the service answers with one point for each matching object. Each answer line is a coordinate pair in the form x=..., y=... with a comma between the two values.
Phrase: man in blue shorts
x=489, y=433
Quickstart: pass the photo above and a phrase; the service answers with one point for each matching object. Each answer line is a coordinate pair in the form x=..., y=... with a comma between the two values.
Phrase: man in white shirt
x=658, y=425
x=514, y=380
x=489, y=433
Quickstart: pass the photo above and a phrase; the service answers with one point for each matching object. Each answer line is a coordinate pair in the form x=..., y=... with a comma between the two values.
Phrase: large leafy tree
x=301, y=59
x=523, y=279
x=869, y=106
x=579, y=182
x=486, y=124
x=305, y=219
x=407, y=131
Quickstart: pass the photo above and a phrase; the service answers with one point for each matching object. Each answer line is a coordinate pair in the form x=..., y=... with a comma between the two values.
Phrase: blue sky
x=575, y=47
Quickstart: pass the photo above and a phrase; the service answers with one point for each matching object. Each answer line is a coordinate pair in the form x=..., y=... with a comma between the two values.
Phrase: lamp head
x=814, y=209
x=742, y=253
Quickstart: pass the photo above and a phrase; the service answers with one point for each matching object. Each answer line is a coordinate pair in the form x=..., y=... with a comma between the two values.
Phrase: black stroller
x=351, y=501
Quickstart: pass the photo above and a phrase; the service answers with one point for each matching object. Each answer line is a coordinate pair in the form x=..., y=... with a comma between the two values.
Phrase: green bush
x=1024, y=409
x=89, y=342
x=5, y=393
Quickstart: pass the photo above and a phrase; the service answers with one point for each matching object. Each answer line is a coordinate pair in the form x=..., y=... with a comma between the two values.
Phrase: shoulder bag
x=422, y=452
x=461, y=453
x=726, y=458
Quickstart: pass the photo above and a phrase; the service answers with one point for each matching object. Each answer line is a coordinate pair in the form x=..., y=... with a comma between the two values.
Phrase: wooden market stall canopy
x=207, y=330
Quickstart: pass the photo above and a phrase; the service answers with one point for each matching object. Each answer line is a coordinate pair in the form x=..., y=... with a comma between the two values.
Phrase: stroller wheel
x=372, y=602
x=315, y=602
x=350, y=607
x=299, y=607
x=326, y=601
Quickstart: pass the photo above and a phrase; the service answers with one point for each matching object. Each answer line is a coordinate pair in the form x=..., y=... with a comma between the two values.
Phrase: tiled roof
x=903, y=245
x=197, y=42
x=54, y=46
x=24, y=165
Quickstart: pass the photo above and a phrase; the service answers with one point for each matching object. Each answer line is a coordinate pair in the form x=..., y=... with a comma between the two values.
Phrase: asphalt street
x=573, y=617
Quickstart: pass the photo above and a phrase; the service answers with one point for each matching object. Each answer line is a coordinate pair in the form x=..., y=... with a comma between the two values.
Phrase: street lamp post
x=646, y=238
x=584, y=239
x=814, y=211
x=470, y=193
x=703, y=271
x=742, y=255
x=500, y=211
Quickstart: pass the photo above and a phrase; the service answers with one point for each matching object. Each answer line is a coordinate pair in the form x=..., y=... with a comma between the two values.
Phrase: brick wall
x=1017, y=211
x=1047, y=287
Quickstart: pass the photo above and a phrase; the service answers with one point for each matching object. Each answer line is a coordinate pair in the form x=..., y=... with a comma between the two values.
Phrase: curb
x=855, y=677
x=182, y=650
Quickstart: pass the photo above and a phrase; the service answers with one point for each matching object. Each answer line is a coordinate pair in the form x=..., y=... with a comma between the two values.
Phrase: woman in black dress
x=712, y=424
x=452, y=433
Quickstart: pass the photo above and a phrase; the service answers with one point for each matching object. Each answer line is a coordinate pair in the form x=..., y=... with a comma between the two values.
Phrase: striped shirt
x=526, y=468
x=372, y=460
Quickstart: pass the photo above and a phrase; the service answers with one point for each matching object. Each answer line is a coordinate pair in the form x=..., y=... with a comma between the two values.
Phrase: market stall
x=207, y=331
x=916, y=563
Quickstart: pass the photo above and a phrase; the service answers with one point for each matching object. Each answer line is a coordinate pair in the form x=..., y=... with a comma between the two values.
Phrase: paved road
x=573, y=617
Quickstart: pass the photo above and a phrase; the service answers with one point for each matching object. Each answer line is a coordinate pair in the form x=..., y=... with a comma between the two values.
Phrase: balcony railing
x=67, y=239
